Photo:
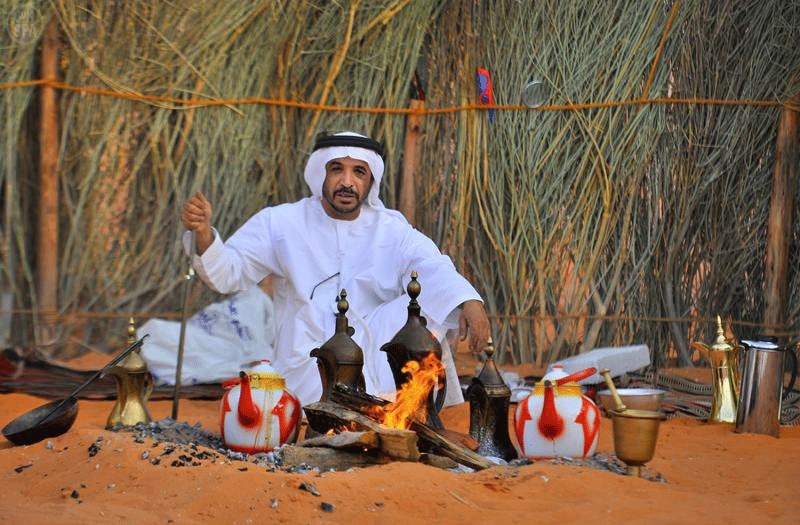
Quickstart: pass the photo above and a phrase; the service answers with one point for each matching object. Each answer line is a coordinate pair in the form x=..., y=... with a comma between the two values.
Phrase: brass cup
x=635, y=435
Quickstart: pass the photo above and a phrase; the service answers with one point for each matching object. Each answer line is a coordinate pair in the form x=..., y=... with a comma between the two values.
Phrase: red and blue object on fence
x=485, y=94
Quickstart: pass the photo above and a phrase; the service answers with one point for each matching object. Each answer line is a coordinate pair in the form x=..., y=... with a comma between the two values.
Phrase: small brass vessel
x=635, y=431
x=635, y=436
x=134, y=386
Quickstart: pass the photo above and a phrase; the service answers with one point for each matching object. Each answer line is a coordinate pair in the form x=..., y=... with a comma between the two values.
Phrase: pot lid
x=490, y=376
x=264, y=370
x=134, y=362
x=761, y=345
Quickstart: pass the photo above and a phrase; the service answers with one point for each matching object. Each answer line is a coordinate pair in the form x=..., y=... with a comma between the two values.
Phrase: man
x=342, y=237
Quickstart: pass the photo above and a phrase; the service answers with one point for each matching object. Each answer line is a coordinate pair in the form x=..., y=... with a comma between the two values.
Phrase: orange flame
x=410, y=400
x=351, y=427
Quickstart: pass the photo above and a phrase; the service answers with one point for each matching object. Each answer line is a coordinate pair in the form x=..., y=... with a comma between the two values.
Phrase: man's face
x=346, y=187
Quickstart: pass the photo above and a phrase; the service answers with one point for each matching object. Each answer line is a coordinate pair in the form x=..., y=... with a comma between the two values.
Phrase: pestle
x=620, y=406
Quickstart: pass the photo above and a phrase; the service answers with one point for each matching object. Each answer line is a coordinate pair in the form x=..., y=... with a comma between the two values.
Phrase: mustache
x=346, y=191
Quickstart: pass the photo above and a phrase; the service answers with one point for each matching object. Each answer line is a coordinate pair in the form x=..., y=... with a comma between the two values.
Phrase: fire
x=351, y=427
x=410, y=400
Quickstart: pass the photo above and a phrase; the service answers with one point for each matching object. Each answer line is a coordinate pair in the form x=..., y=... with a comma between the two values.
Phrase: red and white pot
x=557, y=419
x=258, y=414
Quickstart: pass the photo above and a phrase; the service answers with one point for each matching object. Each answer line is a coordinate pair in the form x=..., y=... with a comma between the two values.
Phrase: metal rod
x=184, y=315
x=94, y=377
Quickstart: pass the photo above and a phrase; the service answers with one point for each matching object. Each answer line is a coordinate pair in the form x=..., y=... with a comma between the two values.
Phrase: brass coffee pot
x=340, y=359
x=134, y=386
x=724, y=375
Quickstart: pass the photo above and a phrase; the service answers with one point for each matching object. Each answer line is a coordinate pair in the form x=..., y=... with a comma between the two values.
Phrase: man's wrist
x=203, y=239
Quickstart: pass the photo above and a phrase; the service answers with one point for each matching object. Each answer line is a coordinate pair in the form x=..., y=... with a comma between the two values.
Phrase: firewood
x=447, y=448
x=343, y=440
x=438, y=439
x=325, y=415
x=435, y=460
x=400, y=444
x=329, y=458
x=353, y=399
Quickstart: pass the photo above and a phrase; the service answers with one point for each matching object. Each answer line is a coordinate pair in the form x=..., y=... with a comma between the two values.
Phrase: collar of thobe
x=358, y=226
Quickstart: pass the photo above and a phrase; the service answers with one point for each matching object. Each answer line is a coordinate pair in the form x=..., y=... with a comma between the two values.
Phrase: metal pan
x=50, y=420
x=56, y=417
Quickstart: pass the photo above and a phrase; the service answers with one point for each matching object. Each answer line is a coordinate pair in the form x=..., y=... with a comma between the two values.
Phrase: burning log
x=348, y=406
x=397, y=443
x=329, y=458
x=367, y=440
x=450, y=449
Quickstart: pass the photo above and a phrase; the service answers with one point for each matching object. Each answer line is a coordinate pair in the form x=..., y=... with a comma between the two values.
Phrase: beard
x=342, y=191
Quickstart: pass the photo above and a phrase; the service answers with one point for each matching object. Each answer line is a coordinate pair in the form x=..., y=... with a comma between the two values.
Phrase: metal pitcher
x=725, y=379
x=134, y=387
x=761, y=390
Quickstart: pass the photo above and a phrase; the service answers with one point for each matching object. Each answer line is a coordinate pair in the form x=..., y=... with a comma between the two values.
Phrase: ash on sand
x=189, y=445
x=599, y=461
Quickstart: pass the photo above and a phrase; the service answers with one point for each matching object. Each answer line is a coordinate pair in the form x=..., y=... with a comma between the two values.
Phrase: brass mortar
x=635, y=431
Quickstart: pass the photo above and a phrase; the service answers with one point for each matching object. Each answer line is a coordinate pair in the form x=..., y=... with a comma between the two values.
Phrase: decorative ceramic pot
x=258, y=414
x=557, y=419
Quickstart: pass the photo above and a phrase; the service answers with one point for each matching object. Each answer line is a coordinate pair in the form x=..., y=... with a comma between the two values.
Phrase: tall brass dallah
x=340, y=359
x=134, y=386
x=723, y=357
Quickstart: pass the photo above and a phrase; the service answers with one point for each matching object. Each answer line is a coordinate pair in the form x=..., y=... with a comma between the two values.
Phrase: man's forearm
x=203, y=239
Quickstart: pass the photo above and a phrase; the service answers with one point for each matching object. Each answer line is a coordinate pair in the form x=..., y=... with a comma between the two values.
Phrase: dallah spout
x=248, y=413
x=551, y=425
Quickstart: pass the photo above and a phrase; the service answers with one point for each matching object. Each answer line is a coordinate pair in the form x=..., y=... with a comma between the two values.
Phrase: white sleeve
x=443, y=288
x=243, y=260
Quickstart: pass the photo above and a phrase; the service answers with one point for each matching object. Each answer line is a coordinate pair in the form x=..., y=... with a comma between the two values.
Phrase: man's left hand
x=475, y=323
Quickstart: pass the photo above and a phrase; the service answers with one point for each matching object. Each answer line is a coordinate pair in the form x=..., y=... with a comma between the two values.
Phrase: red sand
x=713, y=475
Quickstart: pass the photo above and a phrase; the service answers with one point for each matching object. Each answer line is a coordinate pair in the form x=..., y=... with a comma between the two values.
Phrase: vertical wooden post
x=408, y=184
x=779, y=233
x=47, y=230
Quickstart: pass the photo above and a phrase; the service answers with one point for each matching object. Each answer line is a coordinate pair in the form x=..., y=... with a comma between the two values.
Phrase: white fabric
x=315, y=167
x=221, y=340
x=370, y=257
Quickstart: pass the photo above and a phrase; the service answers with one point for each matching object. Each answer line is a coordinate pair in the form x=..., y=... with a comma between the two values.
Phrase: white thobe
x=312, y=258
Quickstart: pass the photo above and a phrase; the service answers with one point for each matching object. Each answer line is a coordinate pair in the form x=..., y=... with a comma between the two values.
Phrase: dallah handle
x=577, y=376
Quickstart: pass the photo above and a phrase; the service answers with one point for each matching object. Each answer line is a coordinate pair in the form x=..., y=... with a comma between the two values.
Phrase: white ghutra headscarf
x=341, y=145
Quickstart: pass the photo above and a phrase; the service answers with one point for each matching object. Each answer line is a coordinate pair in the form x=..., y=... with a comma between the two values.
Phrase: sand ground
x=712, y=475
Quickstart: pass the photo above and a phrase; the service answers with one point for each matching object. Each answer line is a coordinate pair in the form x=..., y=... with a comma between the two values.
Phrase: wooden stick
x=324, y=414
x=47, y=254
x=780, y=226
x=360, y=440
x=398, y=443
x=447, y=448
x=408, y=183
x=328, y=458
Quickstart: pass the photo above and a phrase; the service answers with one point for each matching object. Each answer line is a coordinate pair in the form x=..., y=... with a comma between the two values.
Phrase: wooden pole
x=47, y=241
x=408, y=184
x=779, y=233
